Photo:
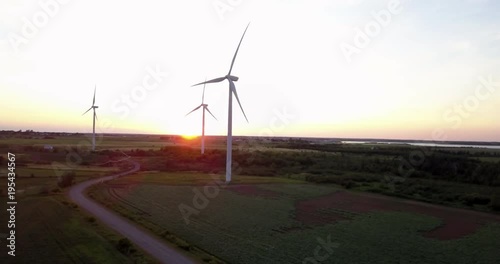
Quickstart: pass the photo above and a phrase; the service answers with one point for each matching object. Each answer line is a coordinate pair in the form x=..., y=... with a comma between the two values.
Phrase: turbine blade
x=93, y=101
x=233, y=89
x=212, y=81
x=87, y=110
x=236, y=53
x=203, y=96
x=95, y=114
x=211, y=113
x=194, y=110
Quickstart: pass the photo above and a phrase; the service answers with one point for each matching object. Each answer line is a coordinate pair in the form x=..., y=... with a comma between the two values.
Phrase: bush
x=348, y=184
x=67, y=179
x=125, y=246
x=177, y=241
x=183, y=245
x=474, y=198
x=495, y=202
x=44, y=190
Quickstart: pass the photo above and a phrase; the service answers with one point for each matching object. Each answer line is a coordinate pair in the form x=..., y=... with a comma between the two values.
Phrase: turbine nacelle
x=232, y=78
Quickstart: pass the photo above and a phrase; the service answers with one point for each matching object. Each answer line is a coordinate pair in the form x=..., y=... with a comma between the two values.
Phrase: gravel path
x=142, y=239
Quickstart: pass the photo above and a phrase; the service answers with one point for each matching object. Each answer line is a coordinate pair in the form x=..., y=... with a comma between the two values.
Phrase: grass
x=243, y=229
x=489, y=159
x=50, y=230
x=195, y=178
x=234, y=227
x=48, y=171
x=102, y=141
x=45, y=179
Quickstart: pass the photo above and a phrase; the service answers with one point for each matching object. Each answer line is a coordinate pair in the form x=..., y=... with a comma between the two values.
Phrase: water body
x=424, y=144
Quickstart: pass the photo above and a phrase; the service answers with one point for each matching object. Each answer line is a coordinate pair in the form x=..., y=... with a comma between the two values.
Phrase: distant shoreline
x=429, y=144
x=324, y=140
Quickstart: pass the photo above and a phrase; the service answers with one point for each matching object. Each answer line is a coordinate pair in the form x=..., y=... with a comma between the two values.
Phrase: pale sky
x=358, y=68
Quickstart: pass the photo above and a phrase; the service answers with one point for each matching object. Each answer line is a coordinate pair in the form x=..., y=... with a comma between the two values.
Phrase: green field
x=195, y=178
x=103, y=141
x=51, y=230
x=36, y=179
x=260, y=217
x=239, y=228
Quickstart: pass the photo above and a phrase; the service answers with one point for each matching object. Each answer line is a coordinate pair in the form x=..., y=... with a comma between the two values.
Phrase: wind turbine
x=93, y=120
x=205, y=107
x=232, y=89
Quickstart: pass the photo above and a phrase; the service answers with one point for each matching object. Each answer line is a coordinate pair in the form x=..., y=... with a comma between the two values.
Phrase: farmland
x=282, y=222
x=49, y=228
x=288, y=196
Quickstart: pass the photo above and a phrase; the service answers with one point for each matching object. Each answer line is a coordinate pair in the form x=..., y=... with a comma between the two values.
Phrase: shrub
x=183, y=245
x=348, y=184
x=495, y=202
x=474, y=198
x=67, y=179
x=44, y=190
x=125, y=246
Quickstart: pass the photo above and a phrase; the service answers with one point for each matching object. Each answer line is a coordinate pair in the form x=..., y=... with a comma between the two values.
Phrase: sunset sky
x=326, y=68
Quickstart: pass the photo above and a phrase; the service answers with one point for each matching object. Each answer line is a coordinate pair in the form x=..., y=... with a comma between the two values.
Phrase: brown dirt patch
x=344, y=205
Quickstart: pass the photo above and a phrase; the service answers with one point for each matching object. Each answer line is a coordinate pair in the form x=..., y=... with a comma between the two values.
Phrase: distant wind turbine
x=93, y=119
x=205, y=107
x=232, y=89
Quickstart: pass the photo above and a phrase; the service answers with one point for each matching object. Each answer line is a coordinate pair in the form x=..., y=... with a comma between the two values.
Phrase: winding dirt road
x=142, y=239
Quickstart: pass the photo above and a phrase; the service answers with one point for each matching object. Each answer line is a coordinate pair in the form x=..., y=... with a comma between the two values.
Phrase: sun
x=189, y=137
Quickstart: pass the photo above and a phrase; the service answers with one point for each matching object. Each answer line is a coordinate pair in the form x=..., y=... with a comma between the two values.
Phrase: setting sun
x=189, y=137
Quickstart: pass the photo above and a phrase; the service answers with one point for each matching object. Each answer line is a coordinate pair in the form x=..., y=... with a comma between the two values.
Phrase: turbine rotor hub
x=232, y=78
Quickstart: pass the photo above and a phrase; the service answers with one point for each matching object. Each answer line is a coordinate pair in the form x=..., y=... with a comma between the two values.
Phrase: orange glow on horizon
x=189, y=137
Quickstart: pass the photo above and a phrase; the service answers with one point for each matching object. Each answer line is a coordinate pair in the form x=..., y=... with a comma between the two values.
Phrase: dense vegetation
x=463, y=177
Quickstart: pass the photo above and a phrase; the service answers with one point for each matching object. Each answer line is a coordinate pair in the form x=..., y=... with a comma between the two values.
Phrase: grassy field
x=195, y=178
x=103, y=141
x=257, y=223
x=51, y=230
x=36, y=179
x=281, y=218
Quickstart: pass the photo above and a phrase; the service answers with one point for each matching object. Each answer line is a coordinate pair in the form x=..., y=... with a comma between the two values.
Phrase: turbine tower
x=232, y=90
x=205, y=107
x=93, y=107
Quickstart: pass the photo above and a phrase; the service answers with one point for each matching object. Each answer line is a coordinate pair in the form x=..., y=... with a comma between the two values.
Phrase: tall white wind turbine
x=232, y=89
x=205, y=107
x=93, y=107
